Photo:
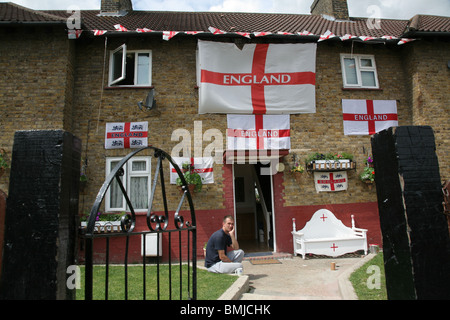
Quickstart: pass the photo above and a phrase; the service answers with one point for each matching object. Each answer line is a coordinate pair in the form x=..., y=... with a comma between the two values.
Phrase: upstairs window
x=359, y=71
x=130, y=68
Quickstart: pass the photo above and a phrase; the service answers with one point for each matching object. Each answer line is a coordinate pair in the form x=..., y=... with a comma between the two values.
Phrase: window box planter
x=331, y=165
x=104, y=226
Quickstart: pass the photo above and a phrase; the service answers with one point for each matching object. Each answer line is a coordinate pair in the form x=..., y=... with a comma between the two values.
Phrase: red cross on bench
x=323, y=217
x=334, y=247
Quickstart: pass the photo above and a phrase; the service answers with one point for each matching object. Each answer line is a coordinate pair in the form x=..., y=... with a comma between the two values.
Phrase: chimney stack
x=116, y=7
x=335, y=8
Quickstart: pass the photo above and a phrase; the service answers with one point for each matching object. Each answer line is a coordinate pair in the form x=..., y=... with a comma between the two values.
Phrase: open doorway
x=253, y=203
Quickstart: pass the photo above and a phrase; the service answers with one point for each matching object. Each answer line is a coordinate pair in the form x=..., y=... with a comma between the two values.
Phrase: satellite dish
x=150, y=101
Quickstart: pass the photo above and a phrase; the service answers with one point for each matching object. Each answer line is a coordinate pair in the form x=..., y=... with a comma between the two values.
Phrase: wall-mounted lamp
x=150, y=102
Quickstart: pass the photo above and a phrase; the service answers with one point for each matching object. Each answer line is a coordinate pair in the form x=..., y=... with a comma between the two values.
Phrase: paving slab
x=298, y=279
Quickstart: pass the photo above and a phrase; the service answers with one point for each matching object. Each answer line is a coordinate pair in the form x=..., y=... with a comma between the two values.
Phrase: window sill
x=129, y=87
x=362, y=89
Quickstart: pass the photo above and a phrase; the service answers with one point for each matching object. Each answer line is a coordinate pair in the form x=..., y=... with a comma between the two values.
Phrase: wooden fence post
x=41, y=216
x=416, y=242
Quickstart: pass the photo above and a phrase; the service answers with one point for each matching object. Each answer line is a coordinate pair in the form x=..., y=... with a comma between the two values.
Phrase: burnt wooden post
x=2, y=224
x=415, y=232
x=41, y=216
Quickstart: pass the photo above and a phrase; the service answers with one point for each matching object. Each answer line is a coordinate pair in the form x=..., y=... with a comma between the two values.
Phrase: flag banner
x=331, y=181
x=125, y=135
x=202, y=166
x=258, y=132
x=259, y=79
x=367, y=117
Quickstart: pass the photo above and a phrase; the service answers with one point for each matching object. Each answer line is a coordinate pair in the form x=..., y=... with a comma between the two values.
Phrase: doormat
x=264, y=261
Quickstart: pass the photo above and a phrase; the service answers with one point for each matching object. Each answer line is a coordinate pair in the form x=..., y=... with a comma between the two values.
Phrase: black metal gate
x=157, y=224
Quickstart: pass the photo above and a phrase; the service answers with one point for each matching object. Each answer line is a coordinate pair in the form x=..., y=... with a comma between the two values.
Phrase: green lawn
x=210, y=286
x=365, y=280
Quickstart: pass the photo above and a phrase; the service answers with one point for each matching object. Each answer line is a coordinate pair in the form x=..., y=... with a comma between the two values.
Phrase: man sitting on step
x=217, y=259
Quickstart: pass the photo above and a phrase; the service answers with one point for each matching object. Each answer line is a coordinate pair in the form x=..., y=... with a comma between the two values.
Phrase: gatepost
x=41, y=216
x=416, y=244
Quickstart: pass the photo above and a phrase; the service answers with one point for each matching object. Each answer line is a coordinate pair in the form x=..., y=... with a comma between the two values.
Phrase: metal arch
x=128, y=222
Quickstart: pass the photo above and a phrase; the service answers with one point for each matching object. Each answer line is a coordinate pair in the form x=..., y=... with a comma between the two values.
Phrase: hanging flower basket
x=298, y=176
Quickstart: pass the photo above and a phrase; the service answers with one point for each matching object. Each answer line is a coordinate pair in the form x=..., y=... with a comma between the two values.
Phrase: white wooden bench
x=326, y=235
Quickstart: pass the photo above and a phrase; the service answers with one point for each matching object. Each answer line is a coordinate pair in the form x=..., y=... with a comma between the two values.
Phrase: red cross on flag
x=331, y=181
x=257, y=79
x=202, y=166
x=125, y=135
x=367, y=117
x=258, y=132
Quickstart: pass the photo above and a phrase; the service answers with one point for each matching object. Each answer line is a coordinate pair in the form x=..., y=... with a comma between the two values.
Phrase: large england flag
x=258, y=132
x=367, y=117
x=259, y=79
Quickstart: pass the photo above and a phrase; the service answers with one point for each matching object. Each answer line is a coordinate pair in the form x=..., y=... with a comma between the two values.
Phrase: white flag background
x=367, y=117
x=259, y=79
x=258, y=132
x=205, y=169
x=331, y=181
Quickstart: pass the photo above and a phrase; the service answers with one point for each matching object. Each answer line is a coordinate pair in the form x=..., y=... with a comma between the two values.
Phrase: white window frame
x=128, y=174
x=359, y=69
x=113, y=82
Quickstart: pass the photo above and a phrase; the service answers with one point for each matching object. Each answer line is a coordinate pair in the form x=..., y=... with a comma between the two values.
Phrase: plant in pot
x=192, y=178
x=368, y=176
x=297, y=170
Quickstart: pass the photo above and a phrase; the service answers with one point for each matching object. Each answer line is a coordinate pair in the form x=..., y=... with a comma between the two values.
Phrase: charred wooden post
x=41, y=216
x=415, y=233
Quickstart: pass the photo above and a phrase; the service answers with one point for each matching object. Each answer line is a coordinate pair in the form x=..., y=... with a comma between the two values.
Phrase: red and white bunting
x=125, y=135
x=261, y=34
x=258, y=132
x=203, y=166
x=216, y=31
x=305, y=33
x=244, y=34
x=331, y=181
x=167, y=35
x=386, y=37
x=285, y=33
x=404, y=40
x=365, y=38
x=120, y=28
x=143, y=30
x=193, y=33
x=74, y=34
x=367, y=117
x=259, y=79
x=99, y=32
x=327, y=35
x=348, y=37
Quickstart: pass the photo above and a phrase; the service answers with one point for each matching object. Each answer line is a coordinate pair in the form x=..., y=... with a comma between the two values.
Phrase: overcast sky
x=390, y=9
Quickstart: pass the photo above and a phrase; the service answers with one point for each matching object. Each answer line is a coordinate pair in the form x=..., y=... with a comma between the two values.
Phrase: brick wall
x=429, y=93
x=37, y=83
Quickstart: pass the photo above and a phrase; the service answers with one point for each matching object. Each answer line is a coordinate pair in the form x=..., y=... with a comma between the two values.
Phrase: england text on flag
x=367, y=117
x=124, y=135
x=258, y=132
x=259, y=79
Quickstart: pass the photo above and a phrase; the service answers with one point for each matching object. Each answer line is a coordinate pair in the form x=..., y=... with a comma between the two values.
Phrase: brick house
x=50, y=81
